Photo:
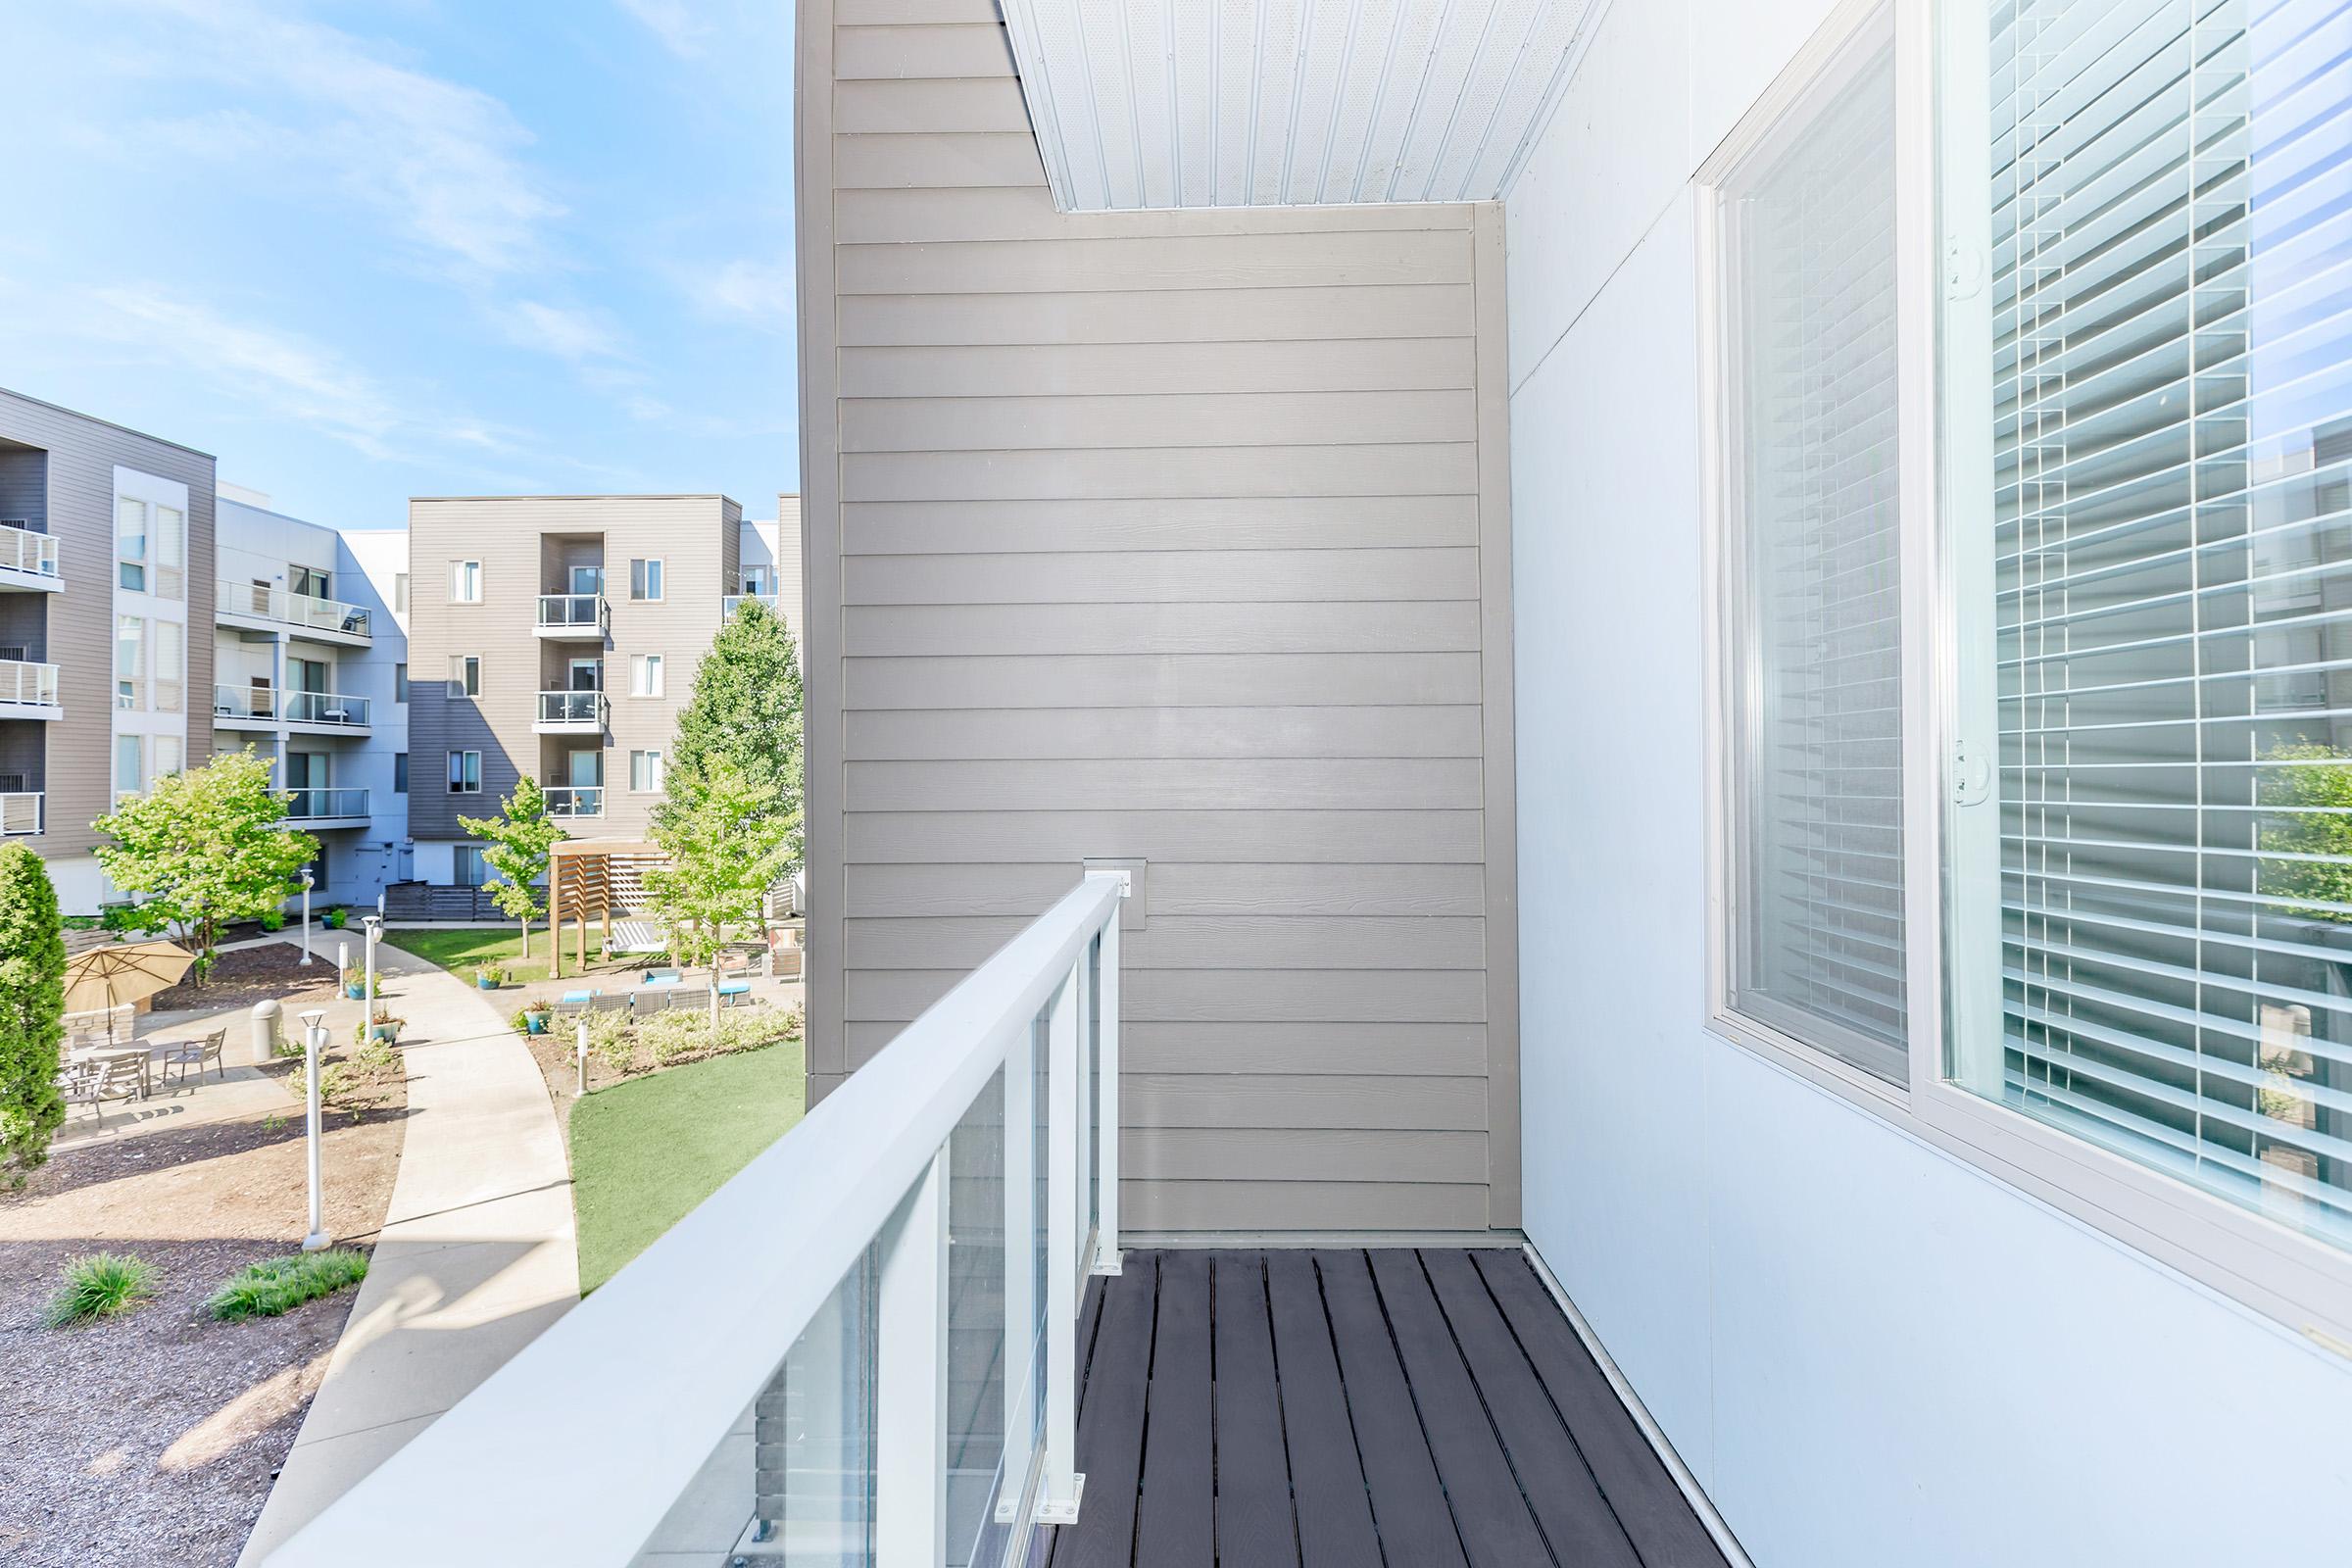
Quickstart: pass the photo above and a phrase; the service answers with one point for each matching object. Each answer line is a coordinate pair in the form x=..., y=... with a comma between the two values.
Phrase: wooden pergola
x=594, y=880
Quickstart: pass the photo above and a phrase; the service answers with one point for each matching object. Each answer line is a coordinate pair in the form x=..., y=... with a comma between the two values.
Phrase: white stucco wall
x=1869, y=1353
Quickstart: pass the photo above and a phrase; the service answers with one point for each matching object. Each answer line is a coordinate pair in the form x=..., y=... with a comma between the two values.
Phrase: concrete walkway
x=478, y=1254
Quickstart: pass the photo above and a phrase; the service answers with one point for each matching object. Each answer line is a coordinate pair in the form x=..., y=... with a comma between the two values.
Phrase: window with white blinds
x=2163, y=631
x=1810, y=585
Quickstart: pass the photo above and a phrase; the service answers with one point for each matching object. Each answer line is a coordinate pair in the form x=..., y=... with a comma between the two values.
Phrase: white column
x=911, y=1381
x=1107, y=1098
x=1060, y=1487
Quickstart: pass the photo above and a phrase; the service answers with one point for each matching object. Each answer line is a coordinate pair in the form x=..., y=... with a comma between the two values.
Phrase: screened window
x=130, y=662
x=465, y=675
x=130, y=543
x=131, y=765
x=645, y=678
x=464, y=582
x=645, y=772
x=1805, y=227
x=645, y=578
x=465, y=773
x=468, y=868
x=399, y=592
x=170, y=551
x=400, y=772
x=2151, y=438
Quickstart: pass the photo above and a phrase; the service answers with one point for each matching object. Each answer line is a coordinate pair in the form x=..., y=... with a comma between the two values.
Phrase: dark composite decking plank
x=1110, y=1422
x=1659, y=1519
x=1577, y=1522
x=1416, y=1528
x=1327, y=1482
x=1255, y=1525
x=1497, y=1530
x=1175, y=1525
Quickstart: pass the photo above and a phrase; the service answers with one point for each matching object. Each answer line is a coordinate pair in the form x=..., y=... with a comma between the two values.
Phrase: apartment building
x=106, y=571
x=556, y=637
x=310, y=670
x=770, y=567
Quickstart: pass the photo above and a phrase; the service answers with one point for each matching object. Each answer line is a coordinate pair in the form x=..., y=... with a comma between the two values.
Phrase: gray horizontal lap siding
x=1161, y=535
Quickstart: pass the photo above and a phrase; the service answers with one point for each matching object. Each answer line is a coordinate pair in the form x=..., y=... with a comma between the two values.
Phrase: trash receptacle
x=264, y=1031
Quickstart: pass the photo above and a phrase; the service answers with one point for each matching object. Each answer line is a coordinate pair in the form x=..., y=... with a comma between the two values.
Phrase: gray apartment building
x=554, y=637
x=106, y=636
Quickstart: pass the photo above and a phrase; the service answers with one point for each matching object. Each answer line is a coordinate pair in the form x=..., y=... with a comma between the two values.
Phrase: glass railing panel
x=23, y=549
x=792, y=1483
x=21, y=682
x=571, y=708
x=19, y=812
x=975, y=1344
x=326, y=708
x=571, y=609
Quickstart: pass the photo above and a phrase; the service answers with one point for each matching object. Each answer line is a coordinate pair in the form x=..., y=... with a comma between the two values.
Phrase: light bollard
x=306, y=918
x=314, y=1047
x=580, y=1045
x=375, y=925
x=342, y=964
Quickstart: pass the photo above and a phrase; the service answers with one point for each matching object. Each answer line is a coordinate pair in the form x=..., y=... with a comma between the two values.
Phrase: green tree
x=2311, y=789
x=33, y=1002
x=203, y=848
x=521, y=838
x=746, y=708
x=726, y=845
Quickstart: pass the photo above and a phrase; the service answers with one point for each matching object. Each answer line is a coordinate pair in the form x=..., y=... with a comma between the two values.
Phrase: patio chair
x=94, y=1082
x=182, y=1056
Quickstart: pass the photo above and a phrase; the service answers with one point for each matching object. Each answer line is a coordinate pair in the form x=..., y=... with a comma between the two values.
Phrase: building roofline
x=112, y=424
x=681, y=495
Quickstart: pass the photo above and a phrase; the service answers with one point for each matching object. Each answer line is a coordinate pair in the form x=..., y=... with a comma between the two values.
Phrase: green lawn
x=460, y=949
x=645, y=1152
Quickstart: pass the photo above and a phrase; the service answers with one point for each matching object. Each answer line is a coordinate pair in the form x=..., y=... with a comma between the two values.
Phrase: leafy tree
x=33, y=1000
x=521, y=838
x=203, y=849
x=746, y=708
x=2315, y=790
x=726, y=845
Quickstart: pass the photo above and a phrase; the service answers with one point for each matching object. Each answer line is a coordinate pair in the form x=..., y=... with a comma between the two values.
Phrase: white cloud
x=568, y=334
x=681, y=32
x=761, y=292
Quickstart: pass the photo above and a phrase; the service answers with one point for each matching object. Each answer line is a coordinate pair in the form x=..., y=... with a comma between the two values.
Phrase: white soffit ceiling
x=1259, y=102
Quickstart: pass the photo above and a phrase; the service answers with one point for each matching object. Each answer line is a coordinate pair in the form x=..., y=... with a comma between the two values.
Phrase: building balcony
x=735, y=602
x=573, y=618
x=255, y=607
x=575, y=800
x=326, y=807
x=20, y=814
x=28, y=691
x=571, y=713
x=325, y=713
x=29, y=562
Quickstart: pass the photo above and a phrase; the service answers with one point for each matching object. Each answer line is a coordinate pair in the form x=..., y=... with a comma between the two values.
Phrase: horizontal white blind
x=2171, y=321
x=1809, y=223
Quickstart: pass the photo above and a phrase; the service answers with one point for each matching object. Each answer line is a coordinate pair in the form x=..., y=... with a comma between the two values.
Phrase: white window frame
x=462, y=669
x=400, y=593
x=453, y=776
x=647, y=572
x=649, y=675
x=654, y=768
x=2293, y=1279
x=464, y=582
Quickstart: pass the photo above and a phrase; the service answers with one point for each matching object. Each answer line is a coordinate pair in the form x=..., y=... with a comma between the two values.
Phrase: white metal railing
x=20, y=682
x=323, y=707
x=264, y=603
x=571, y=611
x=19, y=812
x=318, y=802
x=575, y=800
x=23, y=549
x=571, y=707
x=776, y=1370
x=245, y=702
x=732, y=603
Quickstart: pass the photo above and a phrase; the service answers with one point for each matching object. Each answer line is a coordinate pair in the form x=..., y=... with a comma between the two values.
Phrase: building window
x=307, y=581
x=464, y=582
x=399, y=683
x=171, y=551
x=400, y=772
x=645, y=772
x=130, y=543
x=465, y=773
x=1813, y=870
x=400, y=593
x=171, y=664
x=645, y=675
x=467, y=866
x=171, y=754
x=130, y=662
x=465, y=675
x=645, y=578
x=131, y=765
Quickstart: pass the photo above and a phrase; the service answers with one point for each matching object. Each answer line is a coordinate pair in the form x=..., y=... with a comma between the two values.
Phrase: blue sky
x=369, y=249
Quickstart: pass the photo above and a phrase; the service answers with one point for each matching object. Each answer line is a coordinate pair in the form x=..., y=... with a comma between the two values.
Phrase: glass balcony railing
x=735, y=602
x=575, y=800
x=23, y=549
x=584, y=613
x=266, y=705
x=21, y=682
x=310, y=805
x=264, y=603
x=19, y=812
x=571, y=707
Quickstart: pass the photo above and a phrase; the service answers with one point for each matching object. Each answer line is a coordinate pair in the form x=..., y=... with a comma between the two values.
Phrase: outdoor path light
x=314, y=1047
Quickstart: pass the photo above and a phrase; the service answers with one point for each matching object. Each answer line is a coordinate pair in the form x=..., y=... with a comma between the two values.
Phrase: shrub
x=274, y=920
x=100, y=1285
x=278, y=1285
x=33, y=974
x=335, y=917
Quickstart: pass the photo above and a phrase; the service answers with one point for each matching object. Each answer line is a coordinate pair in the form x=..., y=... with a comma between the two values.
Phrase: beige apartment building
x=557, y=637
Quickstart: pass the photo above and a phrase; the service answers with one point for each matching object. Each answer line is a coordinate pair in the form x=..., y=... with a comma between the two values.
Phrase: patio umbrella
x=118, y=974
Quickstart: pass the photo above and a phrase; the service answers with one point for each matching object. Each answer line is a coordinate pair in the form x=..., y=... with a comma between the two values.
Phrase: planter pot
x=485, y=982
x=388, y=1033
x=353, y=992
x=534, y=1023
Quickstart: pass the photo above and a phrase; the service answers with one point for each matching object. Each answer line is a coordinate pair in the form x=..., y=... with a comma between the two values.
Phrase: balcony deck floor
x=1300, y=1408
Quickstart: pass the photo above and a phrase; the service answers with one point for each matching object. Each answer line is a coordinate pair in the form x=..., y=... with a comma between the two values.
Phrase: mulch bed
x=153, y=1437
x=243, y=976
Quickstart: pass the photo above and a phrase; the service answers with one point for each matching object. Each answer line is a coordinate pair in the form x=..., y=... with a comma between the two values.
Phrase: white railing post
x=911, y=1381
x=1060, y=1487
x=1081, y=1260
x=1020, y=1273
x=1106, y=1100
